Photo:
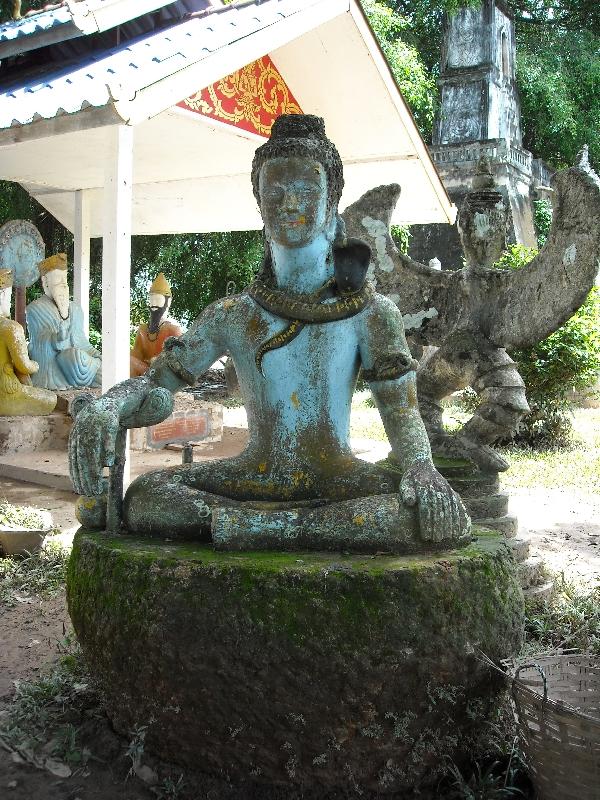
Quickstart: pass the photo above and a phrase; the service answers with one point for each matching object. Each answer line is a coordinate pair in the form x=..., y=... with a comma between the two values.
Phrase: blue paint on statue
x=61, y=348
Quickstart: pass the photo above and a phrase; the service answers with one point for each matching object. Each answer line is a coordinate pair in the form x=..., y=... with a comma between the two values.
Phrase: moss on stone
x=258, y=639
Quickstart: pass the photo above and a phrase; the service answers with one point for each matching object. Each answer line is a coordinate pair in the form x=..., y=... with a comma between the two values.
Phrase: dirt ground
x=564, y=527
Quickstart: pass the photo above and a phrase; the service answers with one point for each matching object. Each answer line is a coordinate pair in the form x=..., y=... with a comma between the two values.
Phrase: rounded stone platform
x=312, y=669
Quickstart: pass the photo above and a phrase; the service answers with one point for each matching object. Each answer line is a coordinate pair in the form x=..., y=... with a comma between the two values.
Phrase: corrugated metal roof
x=35, y=24
x=82, y=18
x=119, y=73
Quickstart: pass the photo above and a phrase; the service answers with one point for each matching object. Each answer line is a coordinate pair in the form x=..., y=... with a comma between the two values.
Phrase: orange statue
x=150, y=337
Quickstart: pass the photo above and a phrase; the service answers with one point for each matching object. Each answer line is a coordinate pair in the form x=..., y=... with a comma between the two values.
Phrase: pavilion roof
x=121, y=77
x=58, y=100
x=63, y=21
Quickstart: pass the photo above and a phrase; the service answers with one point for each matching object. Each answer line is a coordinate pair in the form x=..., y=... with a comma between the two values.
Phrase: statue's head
x=6, y=282
x=53, y=271
x=159, y=301
x=297, y=178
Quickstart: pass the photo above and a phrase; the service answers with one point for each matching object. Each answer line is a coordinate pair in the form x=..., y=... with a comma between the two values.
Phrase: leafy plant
x=571, y=619
x=42, y=573
x=136, y=747
x=20, y=516
x=414, y=79
x=542, y=220
x=490, y=783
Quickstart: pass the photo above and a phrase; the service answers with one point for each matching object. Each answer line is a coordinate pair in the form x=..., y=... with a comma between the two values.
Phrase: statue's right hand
x=92, y=446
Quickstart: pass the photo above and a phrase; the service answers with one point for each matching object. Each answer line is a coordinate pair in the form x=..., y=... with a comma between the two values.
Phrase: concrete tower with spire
x=480, y=116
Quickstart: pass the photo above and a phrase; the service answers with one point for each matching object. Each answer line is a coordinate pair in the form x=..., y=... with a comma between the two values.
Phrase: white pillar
x=116, y=256
x=116, y=263
x=81, y=262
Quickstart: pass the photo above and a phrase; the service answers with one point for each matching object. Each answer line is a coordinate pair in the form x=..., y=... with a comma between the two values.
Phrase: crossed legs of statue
x=465, y=360
x=178, y=502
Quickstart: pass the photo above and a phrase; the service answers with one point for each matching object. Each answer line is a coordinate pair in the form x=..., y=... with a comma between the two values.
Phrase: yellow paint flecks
x=262, y=467
x=300, y=477
x=358, y=519
x=295, y=400
x=229, y=303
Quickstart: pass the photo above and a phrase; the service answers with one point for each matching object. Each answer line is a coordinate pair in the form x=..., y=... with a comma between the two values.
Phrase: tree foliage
x=558, y=67
x=413, y=77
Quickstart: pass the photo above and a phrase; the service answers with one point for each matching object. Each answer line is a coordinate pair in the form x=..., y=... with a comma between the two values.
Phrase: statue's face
x=56, y=286
x=158, y=305
x=293, y=200
x=5, y=297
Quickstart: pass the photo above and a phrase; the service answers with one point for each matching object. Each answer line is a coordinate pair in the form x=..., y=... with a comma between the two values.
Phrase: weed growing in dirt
x=39, y=724
x=570, y=620
x=42, y=573
x=169, y=789
x=493, y=782
x=135, y=748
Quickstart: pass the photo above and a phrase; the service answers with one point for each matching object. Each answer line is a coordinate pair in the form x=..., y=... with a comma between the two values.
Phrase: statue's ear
x=351, y=262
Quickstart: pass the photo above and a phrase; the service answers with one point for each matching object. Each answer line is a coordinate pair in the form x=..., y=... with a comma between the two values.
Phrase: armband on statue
x=388, y=368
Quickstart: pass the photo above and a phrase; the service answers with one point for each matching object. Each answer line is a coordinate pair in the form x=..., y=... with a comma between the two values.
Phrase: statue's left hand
x=92, y=444
x=441, y=512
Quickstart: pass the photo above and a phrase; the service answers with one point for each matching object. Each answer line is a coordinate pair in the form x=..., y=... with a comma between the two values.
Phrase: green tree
x=558, y=67
x=413, y=77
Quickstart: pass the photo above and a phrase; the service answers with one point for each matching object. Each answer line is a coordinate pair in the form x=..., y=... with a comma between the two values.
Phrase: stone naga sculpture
x=475, y=314
x=298, y=337
x=56, y=337
x=151, y=336
x=17, y=396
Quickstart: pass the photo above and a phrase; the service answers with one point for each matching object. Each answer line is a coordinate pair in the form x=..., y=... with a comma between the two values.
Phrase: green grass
x=574, y=467
x=42, y=573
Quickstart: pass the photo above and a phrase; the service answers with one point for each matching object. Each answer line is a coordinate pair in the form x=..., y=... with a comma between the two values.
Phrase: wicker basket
x=557, y=702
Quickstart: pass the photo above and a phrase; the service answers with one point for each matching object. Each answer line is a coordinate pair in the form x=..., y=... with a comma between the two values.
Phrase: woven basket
x=557, y=702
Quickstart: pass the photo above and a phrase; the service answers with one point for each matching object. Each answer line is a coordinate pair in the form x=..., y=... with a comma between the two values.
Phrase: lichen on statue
x=298, y=336
x=17, y=396
x=57, y=340
x=151, y=336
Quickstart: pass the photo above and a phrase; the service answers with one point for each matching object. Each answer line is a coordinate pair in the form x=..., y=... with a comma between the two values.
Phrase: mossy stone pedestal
x=317, y=670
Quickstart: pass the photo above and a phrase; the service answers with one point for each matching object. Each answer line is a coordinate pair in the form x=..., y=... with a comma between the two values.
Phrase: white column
x=116, y=256
x=81, y=264
x=116, y=263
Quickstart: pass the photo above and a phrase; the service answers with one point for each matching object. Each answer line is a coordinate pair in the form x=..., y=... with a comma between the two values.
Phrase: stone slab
x=31, y=434
x=323, y=671
x=487, y=505
x=507, y=525
x=66, y=397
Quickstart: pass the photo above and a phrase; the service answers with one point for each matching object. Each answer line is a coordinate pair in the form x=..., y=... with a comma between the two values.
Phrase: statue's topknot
x=298, y=126
x=302, y=135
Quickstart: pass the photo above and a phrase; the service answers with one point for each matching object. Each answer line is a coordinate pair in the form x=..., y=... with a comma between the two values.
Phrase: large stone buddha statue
x=57, y=340
x=298, y=337
x=17, y=396
x=151, y=336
